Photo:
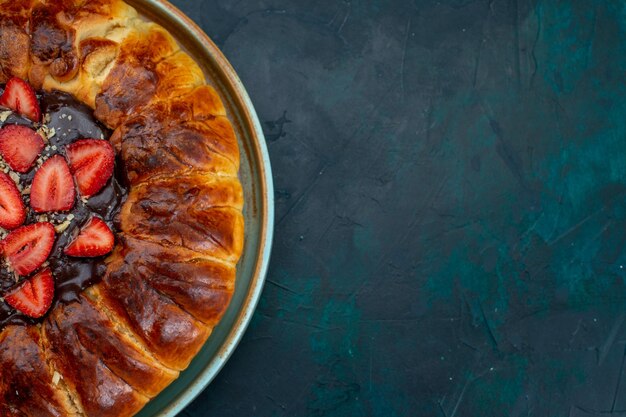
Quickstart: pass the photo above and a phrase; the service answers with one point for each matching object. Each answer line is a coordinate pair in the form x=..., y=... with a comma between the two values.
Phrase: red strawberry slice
x=53, y=187
x=94, y=239
x=19, y=96
x=12, y=210
x=20, y=146
x=34, y=296
x=28, y=247
x=91, y=162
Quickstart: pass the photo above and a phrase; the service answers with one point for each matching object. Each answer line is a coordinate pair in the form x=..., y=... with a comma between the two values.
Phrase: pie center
x=60, y=192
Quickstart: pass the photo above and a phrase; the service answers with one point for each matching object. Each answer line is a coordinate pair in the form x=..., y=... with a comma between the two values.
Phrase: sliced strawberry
x=91, y=163
x=53, y=187
x=34, y=296
x=20, y=146
x=12, y=210
x=19, y=96
x=28, y=247
x=94, y=239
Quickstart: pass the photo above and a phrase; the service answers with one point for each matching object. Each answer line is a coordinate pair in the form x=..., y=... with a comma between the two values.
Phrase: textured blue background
x=451, y=207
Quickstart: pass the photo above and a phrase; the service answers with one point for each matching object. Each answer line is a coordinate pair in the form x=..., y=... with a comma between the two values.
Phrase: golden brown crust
x=199, y=285
x=172, y=335
x=52, y=47
x=81, y=323
x=96, y=29
x=201, y=103
x=168, y=138
x=15, y=39
x=199, y=213
x=178, y=74
x=132, y=83
x=172, y=274
x=27, y=386
x=98, y=390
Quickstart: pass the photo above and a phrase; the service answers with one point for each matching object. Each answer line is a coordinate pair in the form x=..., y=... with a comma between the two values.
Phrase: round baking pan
x=256, y=178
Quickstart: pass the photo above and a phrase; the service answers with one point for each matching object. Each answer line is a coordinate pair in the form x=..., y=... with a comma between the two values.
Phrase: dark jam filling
x=71, y=120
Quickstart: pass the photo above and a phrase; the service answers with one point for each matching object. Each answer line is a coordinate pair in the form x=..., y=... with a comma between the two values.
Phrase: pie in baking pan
x=120, y=209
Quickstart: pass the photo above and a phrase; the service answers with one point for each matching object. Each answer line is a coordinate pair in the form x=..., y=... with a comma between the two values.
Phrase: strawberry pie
x=120, y=209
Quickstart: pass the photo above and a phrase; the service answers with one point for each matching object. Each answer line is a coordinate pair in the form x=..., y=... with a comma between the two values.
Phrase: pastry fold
x=197, y=212
x=199, y=285
x=28, y=386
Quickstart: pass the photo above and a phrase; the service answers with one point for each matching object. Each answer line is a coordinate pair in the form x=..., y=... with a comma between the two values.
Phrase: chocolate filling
x=71, y=120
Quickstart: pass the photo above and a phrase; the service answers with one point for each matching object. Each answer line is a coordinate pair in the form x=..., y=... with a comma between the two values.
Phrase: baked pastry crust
x=172, y=273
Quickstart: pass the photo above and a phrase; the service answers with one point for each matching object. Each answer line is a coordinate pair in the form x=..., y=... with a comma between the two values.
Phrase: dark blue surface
x=451, y=207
